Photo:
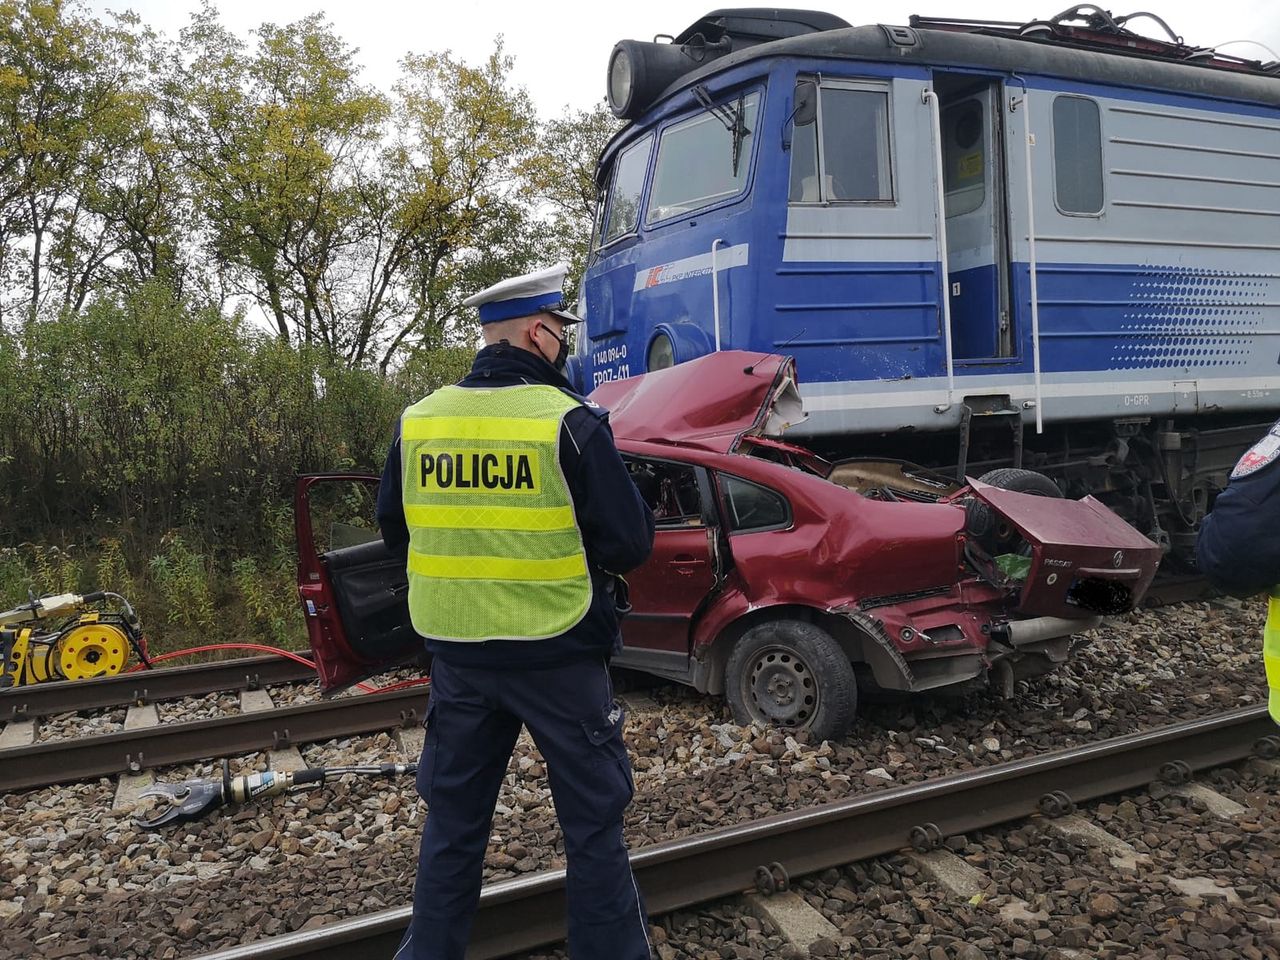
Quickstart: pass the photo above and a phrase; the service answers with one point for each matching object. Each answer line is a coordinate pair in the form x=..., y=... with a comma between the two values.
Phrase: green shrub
x=16, y=578
x=183, y=578
x=57, y=571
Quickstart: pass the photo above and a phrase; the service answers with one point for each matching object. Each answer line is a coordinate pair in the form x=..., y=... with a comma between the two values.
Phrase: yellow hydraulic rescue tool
x=83, y=644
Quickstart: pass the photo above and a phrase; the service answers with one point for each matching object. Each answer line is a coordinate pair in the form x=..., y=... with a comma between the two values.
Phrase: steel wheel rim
x=780, y=688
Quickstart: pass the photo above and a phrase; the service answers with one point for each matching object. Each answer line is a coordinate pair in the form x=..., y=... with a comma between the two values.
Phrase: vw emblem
x=1117, y=558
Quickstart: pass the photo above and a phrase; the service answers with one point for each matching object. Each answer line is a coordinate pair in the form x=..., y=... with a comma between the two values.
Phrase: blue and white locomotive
x=965, y=233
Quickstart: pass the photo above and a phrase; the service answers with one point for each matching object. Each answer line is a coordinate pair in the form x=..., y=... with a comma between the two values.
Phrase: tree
x=276, y=138
x=463, y=135
x=562, y=176
x=68, y=105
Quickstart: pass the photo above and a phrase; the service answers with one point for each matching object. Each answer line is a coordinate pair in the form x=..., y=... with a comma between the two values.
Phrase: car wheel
x=983, y=524
x=791, y=674
x=1022, y=481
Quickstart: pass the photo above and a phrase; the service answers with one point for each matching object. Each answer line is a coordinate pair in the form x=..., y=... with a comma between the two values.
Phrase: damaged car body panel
x=898, y=583
x=788, y=583
x=722, y=398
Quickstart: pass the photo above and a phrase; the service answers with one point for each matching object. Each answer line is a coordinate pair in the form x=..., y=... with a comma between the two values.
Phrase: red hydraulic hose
x=263, y=648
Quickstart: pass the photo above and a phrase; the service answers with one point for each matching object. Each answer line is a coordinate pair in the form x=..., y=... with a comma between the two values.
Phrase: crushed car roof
x=709, y=403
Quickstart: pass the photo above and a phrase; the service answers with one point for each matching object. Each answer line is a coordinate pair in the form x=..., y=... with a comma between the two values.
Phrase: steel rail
x=527, y=912
x=85, y=758
x=146, y=686
x=1178, y=588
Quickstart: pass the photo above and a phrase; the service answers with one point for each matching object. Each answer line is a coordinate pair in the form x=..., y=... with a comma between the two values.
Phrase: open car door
x=670, y=588
x=354, y=592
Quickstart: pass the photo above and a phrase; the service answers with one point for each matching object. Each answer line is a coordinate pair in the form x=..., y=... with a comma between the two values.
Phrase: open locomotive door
x=354, y=591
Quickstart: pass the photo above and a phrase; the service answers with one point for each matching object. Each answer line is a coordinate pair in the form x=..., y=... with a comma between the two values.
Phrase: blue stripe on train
x=881, y=321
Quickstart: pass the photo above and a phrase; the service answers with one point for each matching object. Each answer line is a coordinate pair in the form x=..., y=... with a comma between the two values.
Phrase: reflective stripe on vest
x=1271, y=652
x=495, y=551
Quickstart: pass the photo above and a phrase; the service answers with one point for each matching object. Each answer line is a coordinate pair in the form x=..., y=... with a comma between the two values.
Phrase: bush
x=152, y=445
x=148, y=414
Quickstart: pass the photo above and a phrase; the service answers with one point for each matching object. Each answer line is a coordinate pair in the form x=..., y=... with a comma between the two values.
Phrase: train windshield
x=623, y=211
x=701, y=161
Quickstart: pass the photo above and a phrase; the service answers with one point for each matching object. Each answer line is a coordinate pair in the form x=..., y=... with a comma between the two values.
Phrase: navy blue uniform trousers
x=473, y=719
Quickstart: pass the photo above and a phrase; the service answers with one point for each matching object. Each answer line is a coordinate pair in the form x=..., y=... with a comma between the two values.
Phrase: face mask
x=562, y=355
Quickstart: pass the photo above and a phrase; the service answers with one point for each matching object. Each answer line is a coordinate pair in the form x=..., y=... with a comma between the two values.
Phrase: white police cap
x=539, y=292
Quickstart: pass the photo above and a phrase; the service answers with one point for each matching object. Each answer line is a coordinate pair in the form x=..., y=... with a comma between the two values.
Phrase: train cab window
x=964, y=145
x=853, y=163
x=699, y=162
x=1077, y=155
x=597, y=224
x=751, y=506
x=670, y=490
x=624, y=198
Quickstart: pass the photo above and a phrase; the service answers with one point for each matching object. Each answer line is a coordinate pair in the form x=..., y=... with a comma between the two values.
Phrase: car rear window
x=751, y=506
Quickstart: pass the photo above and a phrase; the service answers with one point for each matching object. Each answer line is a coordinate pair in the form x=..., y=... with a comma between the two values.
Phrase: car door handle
x=686, y=562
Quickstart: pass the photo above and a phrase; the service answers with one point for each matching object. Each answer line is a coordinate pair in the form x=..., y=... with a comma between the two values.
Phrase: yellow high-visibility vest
x=1271, y=652
x=495, y=551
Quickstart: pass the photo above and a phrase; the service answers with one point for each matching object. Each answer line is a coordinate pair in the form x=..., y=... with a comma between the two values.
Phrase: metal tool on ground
x=192, y=799
x=84, y=644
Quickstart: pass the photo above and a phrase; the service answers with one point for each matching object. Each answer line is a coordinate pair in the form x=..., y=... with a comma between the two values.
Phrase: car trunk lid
x=1085, y=560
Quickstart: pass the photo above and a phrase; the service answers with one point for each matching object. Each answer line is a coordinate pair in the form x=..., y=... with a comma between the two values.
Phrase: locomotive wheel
x=791, y=674
x=982, y=523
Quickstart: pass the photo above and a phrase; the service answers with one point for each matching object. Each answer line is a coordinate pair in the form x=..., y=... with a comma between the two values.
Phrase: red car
x=785, y=582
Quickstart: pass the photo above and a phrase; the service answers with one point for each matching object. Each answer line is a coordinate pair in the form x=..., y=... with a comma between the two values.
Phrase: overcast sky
x=561, y=50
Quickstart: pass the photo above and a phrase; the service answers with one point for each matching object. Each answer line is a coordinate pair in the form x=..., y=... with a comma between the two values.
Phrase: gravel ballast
x=74, y=872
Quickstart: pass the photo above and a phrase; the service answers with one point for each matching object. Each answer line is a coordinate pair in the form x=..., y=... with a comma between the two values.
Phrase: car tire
x=983, y=524
x=1022, y=481
x=791, y=674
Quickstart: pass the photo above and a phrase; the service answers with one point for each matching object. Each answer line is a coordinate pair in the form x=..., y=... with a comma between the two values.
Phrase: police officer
x=518, y=515
x=1238, y=548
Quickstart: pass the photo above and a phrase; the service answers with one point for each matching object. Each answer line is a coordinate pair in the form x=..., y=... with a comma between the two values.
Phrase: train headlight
x=639, y=72
x=662, y=353
x=622, y=77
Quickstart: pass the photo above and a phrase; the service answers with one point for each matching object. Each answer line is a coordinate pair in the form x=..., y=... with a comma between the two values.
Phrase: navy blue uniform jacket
x=616, y=525
x=1239, y=544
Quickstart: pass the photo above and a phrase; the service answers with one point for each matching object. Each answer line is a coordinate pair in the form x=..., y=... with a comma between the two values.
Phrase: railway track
x=1178, y=588
x=346, y=850
x=526, y=913
x=149, y=686
x=164, y=744
x=693, y=773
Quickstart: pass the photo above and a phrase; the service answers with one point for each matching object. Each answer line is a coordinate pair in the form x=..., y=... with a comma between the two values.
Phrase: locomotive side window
x=853, y=162
x=624, y=198
x=1077, y=155
x=698, y=162
x=804, y=164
